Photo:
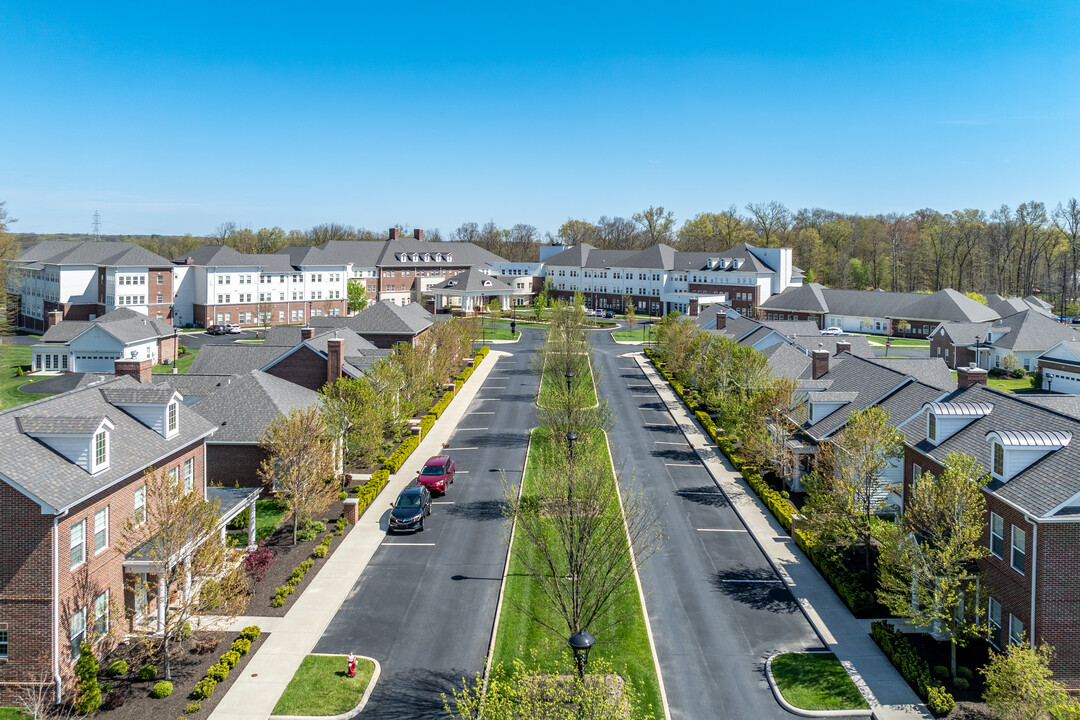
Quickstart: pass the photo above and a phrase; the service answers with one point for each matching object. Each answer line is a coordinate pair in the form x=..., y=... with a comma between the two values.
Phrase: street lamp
x=581, y=642
x=569, y=379
x=570, y=438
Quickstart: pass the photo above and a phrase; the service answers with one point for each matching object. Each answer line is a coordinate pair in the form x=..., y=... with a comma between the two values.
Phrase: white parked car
x=832, y=331
x=233, y=329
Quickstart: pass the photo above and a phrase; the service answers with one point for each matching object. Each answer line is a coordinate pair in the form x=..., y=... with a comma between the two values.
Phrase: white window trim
x=1012, y=549
x=104, y=547
x=1012, y=635
x=105, y=614
x=139, y=506
x=80, y=615
x=189, y=475
x=81, y=544
x=993, y=627
x=1001, y=536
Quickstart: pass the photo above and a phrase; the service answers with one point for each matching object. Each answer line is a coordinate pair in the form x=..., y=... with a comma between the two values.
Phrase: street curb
x=860, y=712
x=345, y=715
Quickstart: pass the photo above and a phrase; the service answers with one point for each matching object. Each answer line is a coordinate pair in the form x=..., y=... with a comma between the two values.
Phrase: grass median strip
x=816, y=681
x=321, y=686
x=621, y=637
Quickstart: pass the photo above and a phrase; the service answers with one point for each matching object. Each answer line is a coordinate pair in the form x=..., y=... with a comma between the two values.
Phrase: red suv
x=437, y=473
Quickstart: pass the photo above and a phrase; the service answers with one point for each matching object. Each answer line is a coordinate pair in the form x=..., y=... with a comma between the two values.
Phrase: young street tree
x=177, y=532
x=569, y=518
x=846, y=493
x=1018, y=685
x=300, y=463
x=357, y=296
x=928, y=565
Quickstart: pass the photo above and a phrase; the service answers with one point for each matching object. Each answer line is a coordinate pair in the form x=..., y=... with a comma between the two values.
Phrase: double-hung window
x=1016, y=630
x=997, y=535
x=78, y=632
x=140, y=505
x=189, y=475
x=994, y=616
x=101, y=529
x=172, y=417
x=78, y=543
x=3, y=642
x=101, y=614
x=1018, y=558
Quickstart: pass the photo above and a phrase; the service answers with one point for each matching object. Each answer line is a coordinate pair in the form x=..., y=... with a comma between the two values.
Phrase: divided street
x=717, y=608
x=425, y=605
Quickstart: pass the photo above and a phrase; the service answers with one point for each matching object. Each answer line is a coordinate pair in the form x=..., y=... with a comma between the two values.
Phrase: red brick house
x=72, y=472
x=1033, y=504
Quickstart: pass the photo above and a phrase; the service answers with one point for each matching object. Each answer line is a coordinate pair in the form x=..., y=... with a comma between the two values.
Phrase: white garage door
x=95, y=363
x=1062, y=382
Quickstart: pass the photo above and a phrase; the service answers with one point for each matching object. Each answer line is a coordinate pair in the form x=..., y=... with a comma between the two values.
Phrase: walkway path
x=888, y=693
x=254, y=695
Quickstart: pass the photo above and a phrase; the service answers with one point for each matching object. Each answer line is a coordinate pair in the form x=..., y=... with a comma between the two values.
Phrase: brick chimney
x=335, y=350
x=306, y=333
x=189, y=260
x=721, y=320
x=820, y=364
x=393, y=233
x=141, y=370
x=54, y=317
x=418, y=234
x=843, y=346
x=970, y=375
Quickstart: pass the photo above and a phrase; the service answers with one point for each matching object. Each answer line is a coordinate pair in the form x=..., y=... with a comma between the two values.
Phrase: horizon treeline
x=1029, y=249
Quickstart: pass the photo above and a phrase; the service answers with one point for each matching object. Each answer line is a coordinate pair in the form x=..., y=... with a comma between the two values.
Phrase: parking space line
x=668, y=442
x=661, y=425
x=460, y=449
x=483, y=412
x=461, y=472
x=470, y=429
x=777, y=581
x=494, y=387
x=735, y=530
x=442, y=502
x=405, y=544
x=697, y=465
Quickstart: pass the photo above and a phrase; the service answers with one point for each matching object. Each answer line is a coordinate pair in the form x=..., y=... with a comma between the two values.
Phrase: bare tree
x=301, y=463
x=224, y=233
x=9, y=251
x=771, y=218
x=467, y=232
x=1067, y=221
x=657, y=225
x=178, y=533
x=330, y=231
x=522, y=242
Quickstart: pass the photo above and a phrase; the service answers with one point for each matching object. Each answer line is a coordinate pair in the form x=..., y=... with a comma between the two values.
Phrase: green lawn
x=816, y=681
x=634, y=335
x=496, y=332
x=268, y=515
x=11, y=358
x=621, y=639
x=1010, y=384
x=183, y=363
x=10, y=713
x=322, y=687
x=545, y=389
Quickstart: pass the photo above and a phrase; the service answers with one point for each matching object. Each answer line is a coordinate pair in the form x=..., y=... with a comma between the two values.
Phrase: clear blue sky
x=175, y=117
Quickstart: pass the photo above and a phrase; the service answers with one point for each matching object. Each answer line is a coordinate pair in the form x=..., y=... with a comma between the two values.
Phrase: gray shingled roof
x=1042, y=486
x=387, y=318
x=243, y=407
x=792, y=328
x=33, y=425
x=125, y=324
x=284, y=336
x=787, y=361
x=463, y=253
x=234, y=359
x=931, y=371
x=473, y=281
x=56, y=481
x=964, y=333
x=91, y=252
x=860, y=346
x=193, y=387
x=143, y=394
x=942, y=305
x=225, y=256
x=1031, y=330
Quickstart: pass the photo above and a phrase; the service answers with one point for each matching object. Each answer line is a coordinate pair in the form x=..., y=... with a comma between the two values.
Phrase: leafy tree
x=657, y=225
x=928, y=565
x=300, y=464
x=673, y=336
x=629, y=313
x=1018, y=685
x=357, y=296
x=178, y=532
x=354, y=413
x=770, y=219
x=1009, y=362
x=87, y=690
x=845, y=493
x=575, y=232
x=977, y=297
x=903, y=326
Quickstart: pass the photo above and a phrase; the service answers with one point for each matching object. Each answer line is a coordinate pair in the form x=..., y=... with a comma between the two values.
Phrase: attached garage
x=1061, y=382
x=101, y=362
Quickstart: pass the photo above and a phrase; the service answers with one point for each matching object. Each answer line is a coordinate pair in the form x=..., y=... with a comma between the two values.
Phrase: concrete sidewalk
x=254, y=695
x=888, y=693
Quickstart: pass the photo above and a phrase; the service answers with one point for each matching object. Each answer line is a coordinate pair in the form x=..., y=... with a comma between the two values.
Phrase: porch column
x=251, y=526
x=187, y=578
x=162, y=595
x=505, y=302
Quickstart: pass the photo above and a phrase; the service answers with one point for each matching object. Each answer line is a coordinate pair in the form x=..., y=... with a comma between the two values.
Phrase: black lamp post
x=570, y=438
x=569, y=379
x=581, y=642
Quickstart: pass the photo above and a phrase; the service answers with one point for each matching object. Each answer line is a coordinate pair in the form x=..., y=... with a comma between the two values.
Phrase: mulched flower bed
x=974, y=655
x=187, y=669
x=286, y=557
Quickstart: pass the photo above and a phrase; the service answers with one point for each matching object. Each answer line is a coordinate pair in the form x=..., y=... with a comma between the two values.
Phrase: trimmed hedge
x=399, y=456
x=240, y=647
x=427, y=422
x=440, y=407
x=847, y=585
x=914, y=668
x=777, y=503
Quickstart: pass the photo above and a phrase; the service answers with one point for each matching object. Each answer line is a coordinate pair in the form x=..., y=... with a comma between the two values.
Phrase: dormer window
x=999, y=460
x=171, y=426
x=1014, y=451
x=449, y=257
x=931, y=427
x=101, y=449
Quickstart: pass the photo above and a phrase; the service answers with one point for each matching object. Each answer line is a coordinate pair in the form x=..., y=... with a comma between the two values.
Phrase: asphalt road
x=717, y=608
x=425, y=605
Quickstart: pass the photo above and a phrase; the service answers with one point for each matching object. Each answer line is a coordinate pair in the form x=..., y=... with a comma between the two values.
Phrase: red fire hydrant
x=352, y=665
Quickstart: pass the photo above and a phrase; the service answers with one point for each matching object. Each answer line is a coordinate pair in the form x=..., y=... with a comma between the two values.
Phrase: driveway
x=425, y=605
x=717, y=608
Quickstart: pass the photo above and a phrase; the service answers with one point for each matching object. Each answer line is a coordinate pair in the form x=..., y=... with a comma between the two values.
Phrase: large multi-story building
x=85, y=280
x=660, y=279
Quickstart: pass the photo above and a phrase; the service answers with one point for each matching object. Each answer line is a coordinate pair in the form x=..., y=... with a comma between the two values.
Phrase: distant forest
x=1030, y=249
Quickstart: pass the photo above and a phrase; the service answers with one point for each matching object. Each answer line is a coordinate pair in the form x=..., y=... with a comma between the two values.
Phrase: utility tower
x=97, y=226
